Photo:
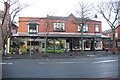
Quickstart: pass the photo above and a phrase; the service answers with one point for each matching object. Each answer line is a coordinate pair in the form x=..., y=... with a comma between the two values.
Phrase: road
x=90, y=67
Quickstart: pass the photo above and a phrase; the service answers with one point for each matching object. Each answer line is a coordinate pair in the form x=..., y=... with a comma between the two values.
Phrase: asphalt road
x=91, y=67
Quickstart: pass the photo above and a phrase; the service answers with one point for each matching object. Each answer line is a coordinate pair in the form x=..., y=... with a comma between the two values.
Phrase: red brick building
x=117, y=38
x=65, y=31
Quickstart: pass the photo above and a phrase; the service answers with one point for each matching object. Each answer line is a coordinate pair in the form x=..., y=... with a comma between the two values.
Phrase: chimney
x=47, y=15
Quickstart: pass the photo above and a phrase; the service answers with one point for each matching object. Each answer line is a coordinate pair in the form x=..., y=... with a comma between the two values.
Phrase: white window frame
x=59, y=25
x=116, y=35
x=85, y=28
x=97, y=27
x=37, y=27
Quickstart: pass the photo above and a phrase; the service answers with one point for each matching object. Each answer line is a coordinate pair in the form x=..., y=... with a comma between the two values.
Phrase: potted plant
x=22, y=50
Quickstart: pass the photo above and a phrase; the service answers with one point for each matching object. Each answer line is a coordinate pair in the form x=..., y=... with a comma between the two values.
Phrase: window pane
x=59, y=26
x=79, y=28
x=96, y=27
x=116, y=35
x=86, y=27
x=33, y=28
x=54, y=26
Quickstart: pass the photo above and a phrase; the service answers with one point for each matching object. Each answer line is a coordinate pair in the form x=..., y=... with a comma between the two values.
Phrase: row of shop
x=66, y=43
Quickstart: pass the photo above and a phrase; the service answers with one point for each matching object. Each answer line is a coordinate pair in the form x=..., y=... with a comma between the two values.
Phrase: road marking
x=42, y=63
x=9, y=57
x=3, y=63
x=9, y=63
x=6, y=63
x=60, y=63
x=66, y=62
x=73, y=59
x=106, y=61
x=91, y=55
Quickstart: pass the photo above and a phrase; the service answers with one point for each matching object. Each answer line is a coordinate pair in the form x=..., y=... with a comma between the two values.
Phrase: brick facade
x=117, y=37
x=69, y=26
x=65, y=31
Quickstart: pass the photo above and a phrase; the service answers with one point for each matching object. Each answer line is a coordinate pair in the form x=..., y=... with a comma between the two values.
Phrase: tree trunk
x=82, y=44
x=45, y=44
x=54, y=46
x=113, y=41
x=1, y=43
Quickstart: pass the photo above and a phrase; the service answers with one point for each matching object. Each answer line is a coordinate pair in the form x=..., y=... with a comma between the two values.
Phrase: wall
x=69, y=26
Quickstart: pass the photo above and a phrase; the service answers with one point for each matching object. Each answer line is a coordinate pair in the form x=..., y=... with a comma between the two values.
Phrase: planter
x=22, y=50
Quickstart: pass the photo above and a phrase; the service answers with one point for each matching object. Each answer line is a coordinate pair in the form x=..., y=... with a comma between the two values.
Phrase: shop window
x=35, y=43
x=58, y=44
x=43, y=45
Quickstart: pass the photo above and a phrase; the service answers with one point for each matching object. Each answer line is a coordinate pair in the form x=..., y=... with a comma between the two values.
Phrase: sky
x=40, y=8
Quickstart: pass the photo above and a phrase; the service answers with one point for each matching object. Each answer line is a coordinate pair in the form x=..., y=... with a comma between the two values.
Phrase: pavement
x=60, y=55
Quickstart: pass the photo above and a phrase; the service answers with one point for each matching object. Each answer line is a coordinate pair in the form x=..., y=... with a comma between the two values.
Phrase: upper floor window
x=96, y=27
x=85, y=28
x=59, y=26
x=33, y=28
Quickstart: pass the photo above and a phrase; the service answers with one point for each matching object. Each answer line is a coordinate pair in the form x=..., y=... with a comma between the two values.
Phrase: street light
x=94, y=41
x=95, y=35
x=30, y=48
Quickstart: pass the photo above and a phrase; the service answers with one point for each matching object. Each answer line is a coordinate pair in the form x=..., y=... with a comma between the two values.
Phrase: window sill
x=96, y=32
x=83, y=31
x=32, y=32
x=59, y=30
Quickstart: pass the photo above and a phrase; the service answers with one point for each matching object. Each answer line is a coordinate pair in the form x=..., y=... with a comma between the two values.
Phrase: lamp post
x=95, y=36
x=94, y=41
x=30, y=48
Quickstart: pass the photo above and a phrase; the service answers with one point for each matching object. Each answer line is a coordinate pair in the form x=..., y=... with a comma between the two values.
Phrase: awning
x=61, y=35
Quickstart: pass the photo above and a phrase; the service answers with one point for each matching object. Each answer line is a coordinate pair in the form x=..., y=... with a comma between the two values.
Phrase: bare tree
x=11, y=10
x=109, y=10
x=49, y=24
x=84, y=12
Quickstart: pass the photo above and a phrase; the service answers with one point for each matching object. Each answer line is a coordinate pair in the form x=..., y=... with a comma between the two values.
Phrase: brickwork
x=70, y=27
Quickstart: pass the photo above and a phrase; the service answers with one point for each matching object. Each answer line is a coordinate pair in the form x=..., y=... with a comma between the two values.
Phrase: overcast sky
x=40, y=8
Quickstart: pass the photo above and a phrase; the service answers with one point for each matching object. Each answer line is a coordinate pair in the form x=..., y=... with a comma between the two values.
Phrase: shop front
x=59, y=42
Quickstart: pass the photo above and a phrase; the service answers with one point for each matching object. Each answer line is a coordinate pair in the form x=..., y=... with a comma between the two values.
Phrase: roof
x=66, y=18
x=60, y=18
x=107, y=31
